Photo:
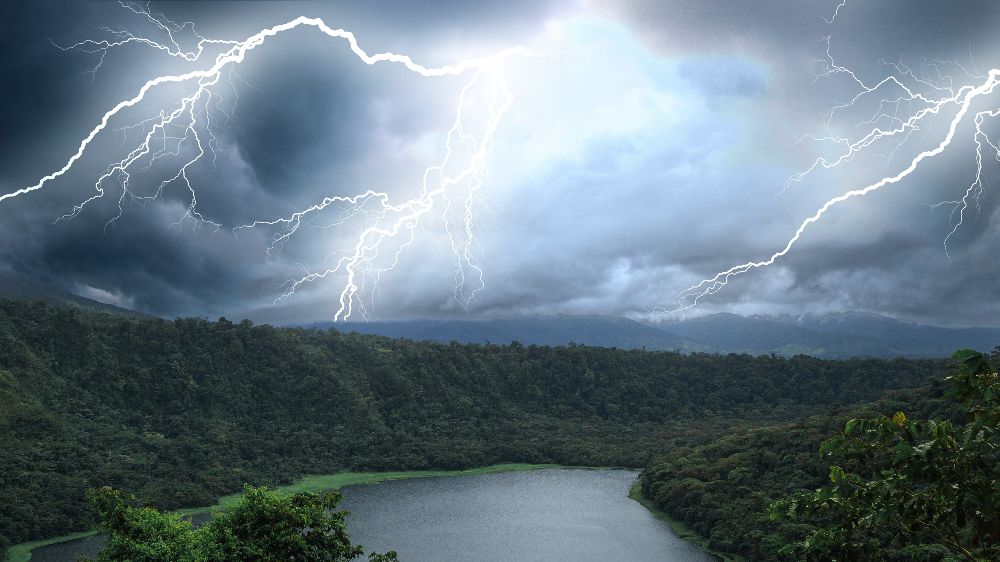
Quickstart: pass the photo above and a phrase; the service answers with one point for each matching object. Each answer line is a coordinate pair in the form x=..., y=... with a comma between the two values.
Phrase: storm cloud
x=647, y=148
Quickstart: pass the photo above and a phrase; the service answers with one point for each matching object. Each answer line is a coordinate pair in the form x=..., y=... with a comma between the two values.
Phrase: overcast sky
x=646, y=148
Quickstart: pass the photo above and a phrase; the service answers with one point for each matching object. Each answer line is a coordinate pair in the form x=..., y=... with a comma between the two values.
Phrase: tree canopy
x=912, y=485
x=262, y=526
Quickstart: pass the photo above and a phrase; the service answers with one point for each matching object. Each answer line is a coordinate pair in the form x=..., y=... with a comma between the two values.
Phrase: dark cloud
x=783, y=30
x=646, y=149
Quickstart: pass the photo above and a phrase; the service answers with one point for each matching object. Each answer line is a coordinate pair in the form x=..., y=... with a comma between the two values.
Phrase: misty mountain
x=841, y=335
x=908, y=338
x=831, y=336
x=543, y=330
x=826, y=336
x=731, y=333
x=18, y=286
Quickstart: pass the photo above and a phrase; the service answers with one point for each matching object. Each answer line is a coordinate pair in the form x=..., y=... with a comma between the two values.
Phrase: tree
x=923, y=486
x=141, y=534
x=262, y=526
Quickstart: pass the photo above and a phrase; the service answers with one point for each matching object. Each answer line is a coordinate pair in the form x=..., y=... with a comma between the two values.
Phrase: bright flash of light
x=908, y=102
x=180, y=133
x=388, y=221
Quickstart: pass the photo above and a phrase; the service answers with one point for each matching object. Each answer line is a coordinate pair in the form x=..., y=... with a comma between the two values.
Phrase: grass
x=310, y=483
x=679, y=528
x=22, y=552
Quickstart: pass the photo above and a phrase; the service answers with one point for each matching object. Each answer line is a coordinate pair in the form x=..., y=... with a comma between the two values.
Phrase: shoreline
x=680, y=529
x=317, y=483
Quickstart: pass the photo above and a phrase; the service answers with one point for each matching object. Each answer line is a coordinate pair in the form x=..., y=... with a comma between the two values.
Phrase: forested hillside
x=181, y=412
x=719, y=483
x=912, y=477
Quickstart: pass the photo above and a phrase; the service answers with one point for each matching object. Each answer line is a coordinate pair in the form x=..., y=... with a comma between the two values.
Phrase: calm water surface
x=558, y=514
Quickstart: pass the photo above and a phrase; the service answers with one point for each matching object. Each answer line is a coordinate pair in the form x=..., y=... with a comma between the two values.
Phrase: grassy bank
x=324, y=482
x=311, y=483
x=679, y=529
x=22, y=552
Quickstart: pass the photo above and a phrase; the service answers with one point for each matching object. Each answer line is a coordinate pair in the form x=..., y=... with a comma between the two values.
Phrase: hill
x=18, y=286
x=719, y=484
x=761, y=335
x=907, y=339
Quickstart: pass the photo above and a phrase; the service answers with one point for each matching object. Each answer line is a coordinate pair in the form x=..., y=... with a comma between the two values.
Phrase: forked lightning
x=922, y=98
x=185, y=126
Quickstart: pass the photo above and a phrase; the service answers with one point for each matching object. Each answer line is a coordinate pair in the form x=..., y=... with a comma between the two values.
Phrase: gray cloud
x=648, y=153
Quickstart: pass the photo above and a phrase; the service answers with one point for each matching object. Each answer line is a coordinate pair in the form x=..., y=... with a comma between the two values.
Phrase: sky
x=647, y=146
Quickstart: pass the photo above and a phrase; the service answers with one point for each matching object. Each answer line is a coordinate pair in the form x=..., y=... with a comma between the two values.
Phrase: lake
x=555, y=514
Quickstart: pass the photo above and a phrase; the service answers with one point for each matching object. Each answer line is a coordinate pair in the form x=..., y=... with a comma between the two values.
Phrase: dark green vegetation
x=182, y=412
x=719, y=482
x=262, y=526
x=902, y=489
x=918, y=487
x=601, y=331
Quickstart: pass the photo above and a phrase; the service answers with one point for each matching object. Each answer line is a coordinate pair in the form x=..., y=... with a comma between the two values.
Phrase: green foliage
x=263, y=526
x=915, y=485
x=142, y=534
x=719, y=480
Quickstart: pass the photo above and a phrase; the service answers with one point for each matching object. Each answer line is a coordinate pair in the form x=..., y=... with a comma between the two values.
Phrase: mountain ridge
x=23, y=287
x=832, y=336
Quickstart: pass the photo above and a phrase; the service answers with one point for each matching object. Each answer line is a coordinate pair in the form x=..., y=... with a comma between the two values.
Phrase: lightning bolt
x=886, y=126
x=836, y=12
x=182, y=131
x=389, y=221
x=975, y=189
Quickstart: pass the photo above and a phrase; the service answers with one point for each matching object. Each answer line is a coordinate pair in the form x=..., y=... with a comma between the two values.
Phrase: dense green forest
x=182, y=412
x=720, y=483
x=911, y=477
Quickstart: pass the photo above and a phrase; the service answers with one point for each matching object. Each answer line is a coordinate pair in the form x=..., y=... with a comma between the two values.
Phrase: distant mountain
x=547, y=330
x=18, y=286
x=730, y=333
x=831, y=335
x=905, y=337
